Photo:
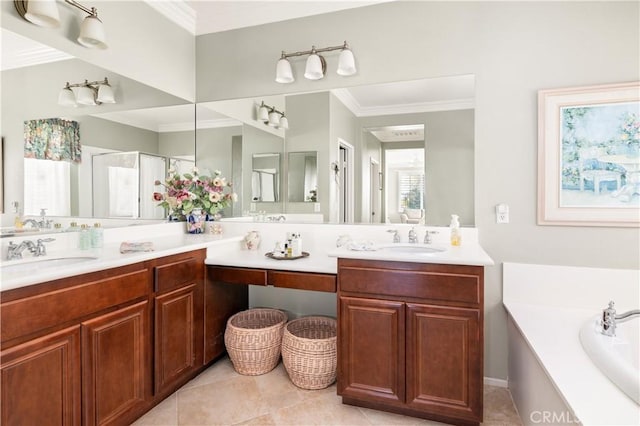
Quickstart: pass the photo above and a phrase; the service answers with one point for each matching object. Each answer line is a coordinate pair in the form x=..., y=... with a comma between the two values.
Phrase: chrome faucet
x=427, y=237
x=15, y=250
x=610, y=319
x=396, y=236
x=413, y=237
x=33, y=223
x=38, y=248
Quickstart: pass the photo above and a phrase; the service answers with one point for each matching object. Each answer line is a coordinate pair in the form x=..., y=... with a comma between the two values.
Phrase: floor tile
x=220, y=396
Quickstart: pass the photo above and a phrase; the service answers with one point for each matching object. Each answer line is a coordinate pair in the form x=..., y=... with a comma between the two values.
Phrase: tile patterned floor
x=220, y=396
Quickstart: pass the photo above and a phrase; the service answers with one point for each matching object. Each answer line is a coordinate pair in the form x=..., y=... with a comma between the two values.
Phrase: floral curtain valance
x=52, y=139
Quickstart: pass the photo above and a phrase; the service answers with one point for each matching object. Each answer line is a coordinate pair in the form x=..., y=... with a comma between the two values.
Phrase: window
x=411, y=190
x=48, y=186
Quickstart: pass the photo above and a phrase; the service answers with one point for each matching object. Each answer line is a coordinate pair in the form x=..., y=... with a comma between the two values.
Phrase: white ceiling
x=210, y=16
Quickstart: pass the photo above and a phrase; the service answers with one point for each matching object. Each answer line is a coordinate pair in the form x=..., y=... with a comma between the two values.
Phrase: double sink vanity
x=104, y=339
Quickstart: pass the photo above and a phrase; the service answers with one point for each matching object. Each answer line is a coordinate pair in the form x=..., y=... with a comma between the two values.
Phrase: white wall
x=143, y=44
x=514, y=49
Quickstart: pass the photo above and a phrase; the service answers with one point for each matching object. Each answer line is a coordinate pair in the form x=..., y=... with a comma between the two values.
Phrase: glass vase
x=195, y=222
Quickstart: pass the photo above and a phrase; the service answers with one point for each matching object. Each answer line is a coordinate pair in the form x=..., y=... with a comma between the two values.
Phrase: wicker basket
x=309, y=351
x=253, y=340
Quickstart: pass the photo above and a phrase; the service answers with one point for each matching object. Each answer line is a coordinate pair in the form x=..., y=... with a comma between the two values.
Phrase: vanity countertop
x=107, y=257
x=470, y=253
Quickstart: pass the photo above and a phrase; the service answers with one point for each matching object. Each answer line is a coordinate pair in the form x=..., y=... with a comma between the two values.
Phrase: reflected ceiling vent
x=405, y=133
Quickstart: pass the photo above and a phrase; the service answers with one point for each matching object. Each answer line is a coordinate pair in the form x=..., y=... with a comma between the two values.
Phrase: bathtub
x=552, y=378
x=618, y=357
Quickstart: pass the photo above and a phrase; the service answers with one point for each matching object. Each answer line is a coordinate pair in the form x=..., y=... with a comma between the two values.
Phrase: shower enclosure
x=123, y=184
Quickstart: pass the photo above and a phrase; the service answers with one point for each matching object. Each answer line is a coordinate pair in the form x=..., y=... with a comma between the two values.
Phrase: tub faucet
x=32, y=222
x=610, y=319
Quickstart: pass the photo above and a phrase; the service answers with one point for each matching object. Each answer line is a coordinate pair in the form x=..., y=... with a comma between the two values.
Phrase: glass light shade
x=67, y=98
x=86, y=96
x=313, y=70
x=263, y=113
x=346, y=63
x=274, y=119
x=43, y=13
x=92, y=33
x=284, y=74
x=105, y=94
x=284, y=123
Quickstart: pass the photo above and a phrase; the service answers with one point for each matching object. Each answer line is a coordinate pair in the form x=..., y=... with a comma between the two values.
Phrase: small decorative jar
x=195, y=222
x=252, y=240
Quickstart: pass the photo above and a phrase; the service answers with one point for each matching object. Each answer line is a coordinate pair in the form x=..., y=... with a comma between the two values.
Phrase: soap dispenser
x=456, y=236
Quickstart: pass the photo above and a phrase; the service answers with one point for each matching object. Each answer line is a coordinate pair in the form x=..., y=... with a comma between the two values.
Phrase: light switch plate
x=316, y=207
x=502, y=213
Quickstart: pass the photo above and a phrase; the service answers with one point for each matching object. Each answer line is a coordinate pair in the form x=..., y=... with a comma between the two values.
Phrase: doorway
x=345, y=182
x=375, y=189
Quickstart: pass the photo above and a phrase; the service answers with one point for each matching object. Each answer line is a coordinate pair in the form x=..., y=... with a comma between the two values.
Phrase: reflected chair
x=412, y=216
x=593, y=170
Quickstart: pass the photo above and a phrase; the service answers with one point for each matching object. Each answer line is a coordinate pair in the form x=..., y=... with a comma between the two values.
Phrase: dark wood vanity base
x=410, y=338
x=106, y=347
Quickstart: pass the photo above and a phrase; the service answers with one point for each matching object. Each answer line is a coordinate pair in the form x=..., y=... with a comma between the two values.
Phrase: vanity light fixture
x=316, y=65
x=88, y=93
x=270, y=116
x=44, y=13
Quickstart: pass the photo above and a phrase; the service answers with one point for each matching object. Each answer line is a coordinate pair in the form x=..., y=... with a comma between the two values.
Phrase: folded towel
x=127, y=247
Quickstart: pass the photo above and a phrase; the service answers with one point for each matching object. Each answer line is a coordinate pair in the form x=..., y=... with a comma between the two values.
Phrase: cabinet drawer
x=302, y=281
x=439, y=286
x=238, y=275
x=178, y=273
x=38, y=312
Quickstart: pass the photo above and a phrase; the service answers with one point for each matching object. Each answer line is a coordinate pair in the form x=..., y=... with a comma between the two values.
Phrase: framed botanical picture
x=589, y=155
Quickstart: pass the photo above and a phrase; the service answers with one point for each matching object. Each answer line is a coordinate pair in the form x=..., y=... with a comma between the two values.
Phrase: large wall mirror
x=130, y=143
x=366, y=154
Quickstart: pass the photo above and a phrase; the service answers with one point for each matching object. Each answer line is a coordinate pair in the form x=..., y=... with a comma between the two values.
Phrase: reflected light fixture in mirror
x=316, y=65
x=44, y=13
x=270, y=116
x=87, y=93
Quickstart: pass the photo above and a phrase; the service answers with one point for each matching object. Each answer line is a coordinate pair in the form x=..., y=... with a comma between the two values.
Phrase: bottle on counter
x=456, y=236
x=85, y=238
x=73, y=227
x=97, y=236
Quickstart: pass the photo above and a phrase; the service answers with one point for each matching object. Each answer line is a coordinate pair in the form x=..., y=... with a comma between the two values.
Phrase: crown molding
x=359, y=111
x=177, y=11
x=212, y=124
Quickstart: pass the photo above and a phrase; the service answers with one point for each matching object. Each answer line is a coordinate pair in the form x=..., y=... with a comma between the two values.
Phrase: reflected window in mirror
x=49, y=184
x=302, y=177
x=265, y=178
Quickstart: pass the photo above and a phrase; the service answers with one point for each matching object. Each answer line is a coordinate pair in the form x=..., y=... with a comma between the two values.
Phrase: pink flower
x=158, y=196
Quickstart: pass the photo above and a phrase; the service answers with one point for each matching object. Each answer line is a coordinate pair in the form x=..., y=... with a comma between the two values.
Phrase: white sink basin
x=411, y=248
x=39, y=263
x=617, y=357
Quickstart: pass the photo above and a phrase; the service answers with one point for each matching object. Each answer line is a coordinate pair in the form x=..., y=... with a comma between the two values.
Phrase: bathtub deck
x=551, y=328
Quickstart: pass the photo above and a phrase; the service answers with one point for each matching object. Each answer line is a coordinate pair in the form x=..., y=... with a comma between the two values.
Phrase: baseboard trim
x=496, y=382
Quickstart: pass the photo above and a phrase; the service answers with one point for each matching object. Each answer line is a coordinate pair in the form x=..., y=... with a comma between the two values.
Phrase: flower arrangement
x=185, y=193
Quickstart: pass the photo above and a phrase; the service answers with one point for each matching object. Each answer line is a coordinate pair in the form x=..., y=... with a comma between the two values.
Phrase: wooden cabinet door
x=371, y=349
x=116, y=365
x=179, y=332
x=444, y=361
x=41, y=380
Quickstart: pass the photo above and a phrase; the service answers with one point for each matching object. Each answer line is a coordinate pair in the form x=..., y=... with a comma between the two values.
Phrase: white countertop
x=469, y=253
x=107, y=257
x=226, y=250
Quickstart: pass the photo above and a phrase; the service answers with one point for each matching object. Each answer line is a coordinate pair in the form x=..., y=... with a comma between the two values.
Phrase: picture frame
x=589, y=155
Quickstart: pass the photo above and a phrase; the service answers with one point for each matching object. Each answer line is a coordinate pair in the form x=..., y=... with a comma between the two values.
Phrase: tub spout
x=610, y=318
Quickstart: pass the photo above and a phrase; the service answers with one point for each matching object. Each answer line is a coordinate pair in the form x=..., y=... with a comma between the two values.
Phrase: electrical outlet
x=502, y=213
x=502, y=218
